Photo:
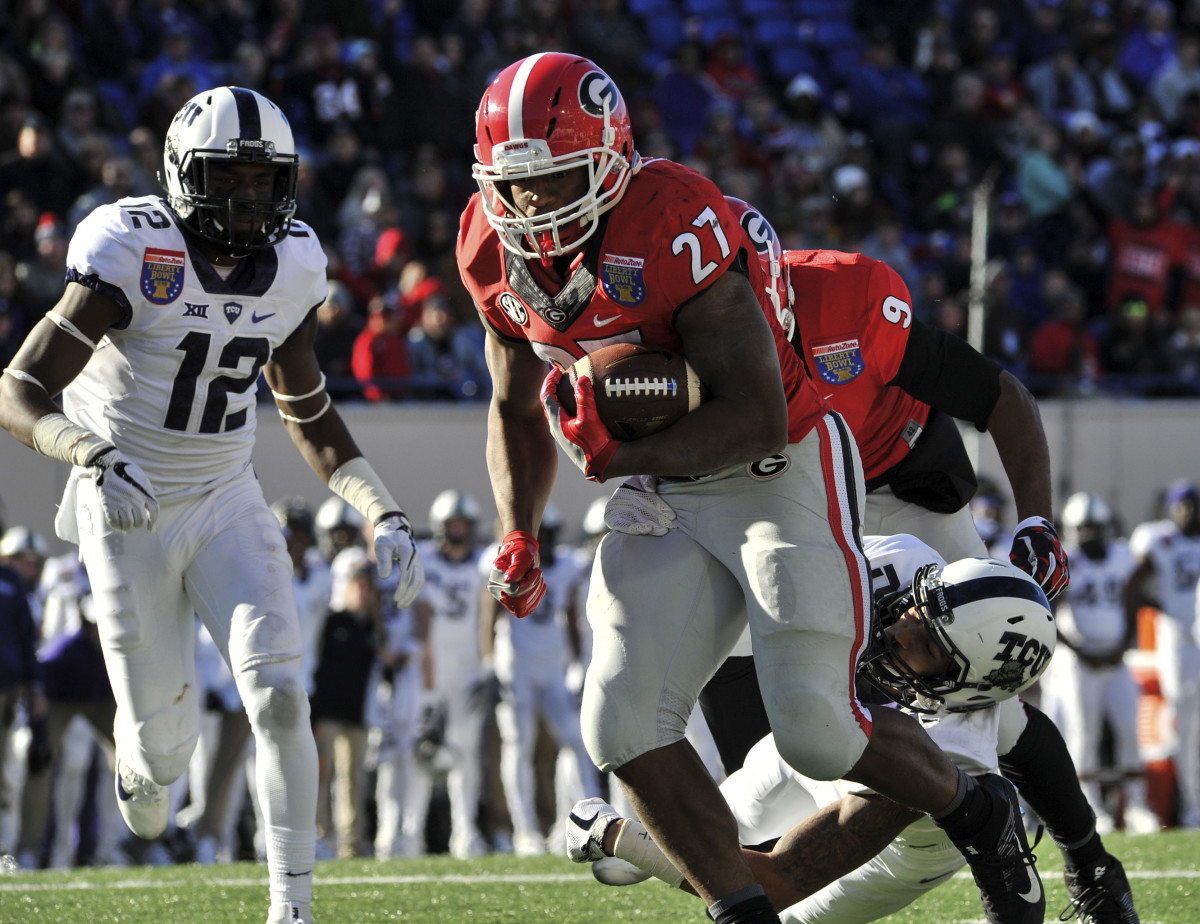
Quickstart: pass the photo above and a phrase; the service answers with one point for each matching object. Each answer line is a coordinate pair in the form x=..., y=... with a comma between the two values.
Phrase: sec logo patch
x=514, y=309
x=770, y=467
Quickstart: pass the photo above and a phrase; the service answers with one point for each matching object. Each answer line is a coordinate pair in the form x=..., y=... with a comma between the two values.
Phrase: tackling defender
x=172, y=308
x=950, y=641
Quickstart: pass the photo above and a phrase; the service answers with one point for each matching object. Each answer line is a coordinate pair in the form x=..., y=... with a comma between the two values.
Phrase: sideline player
x=172, y=309
x=1166, y=576
x=898, y=382
x=574, y=242
x=949, y=642
x=531, y=657
x=448, y=622
x=1089, y=683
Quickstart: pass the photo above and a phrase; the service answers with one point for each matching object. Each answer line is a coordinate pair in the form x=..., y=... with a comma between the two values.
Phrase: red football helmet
x=544, y=114
x=770, y=257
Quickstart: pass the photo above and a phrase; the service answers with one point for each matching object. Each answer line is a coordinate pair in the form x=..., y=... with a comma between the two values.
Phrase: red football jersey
x=665, y=242
x=853, y=315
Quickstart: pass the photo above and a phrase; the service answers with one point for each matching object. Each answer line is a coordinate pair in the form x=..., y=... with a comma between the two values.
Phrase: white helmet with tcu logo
x=230, y=125
x=990, y=619
x=542, y=115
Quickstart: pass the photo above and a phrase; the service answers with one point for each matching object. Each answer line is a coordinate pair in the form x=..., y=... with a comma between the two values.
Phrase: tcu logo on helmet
x=513, y=308
x=596, y=89
x=1020, y=657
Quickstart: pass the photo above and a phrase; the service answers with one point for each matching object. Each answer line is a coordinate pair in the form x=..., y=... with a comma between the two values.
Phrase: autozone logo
x=639, y=386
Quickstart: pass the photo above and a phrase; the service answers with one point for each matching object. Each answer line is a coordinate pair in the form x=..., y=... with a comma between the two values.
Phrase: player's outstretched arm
x=54, y=353
x=1016, y=429
x=321, y=436
x=830, y=843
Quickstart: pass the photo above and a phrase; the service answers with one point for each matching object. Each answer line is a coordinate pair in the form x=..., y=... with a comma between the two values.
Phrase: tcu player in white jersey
x=173, y=307
x=448, y=619
x=950, y=641
x=1089, y=682
x=1168, y=556
x=530, y=658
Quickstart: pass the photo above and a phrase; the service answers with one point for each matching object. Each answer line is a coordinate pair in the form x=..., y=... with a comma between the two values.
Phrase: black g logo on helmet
x=595, y=89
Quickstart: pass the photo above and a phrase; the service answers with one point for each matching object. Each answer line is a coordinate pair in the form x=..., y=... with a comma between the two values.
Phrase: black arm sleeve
x=948, y=374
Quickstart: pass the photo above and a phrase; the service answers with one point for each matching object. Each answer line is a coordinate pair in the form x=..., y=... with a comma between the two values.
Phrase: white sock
x=290, y=858
x=635, y=845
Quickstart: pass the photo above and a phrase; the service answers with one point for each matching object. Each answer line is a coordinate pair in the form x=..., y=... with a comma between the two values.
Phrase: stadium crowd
x=860, y=126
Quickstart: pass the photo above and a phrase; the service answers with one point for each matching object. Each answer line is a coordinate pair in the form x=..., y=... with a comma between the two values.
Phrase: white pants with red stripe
x=776, y=543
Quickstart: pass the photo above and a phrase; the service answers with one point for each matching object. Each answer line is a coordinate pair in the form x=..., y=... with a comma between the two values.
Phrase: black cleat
x=1099, y=893
x=1010, y=889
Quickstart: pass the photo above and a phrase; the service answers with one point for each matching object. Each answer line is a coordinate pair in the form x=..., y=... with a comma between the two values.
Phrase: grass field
x=1164, y=870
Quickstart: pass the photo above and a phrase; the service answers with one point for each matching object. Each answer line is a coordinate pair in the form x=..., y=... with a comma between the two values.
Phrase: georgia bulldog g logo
x=514, y=309
x=596, y=89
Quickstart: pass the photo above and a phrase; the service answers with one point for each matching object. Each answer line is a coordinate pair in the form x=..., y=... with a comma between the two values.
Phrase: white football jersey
x=541, y=637
x=1176, y=560
x=174, y=384
x=1091, y=614
x=453, y=590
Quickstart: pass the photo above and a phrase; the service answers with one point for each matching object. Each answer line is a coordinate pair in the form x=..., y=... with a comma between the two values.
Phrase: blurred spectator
x=885, y=242
x=889, y=100
x=117, y=180
x=1057, y=85
x=178, y=58
x=380, y=356
x=41, y=277
x=1146, y=248
x=1115, y=91
x=353, y=632
x=604, y=31
x=809, y=132
x=684, y=94
x=39, y=167
x=16, y=315
x=1062, y=345
x=942, y=197
x=339, y=163
x=441, y=350
x=1185, y=344
x=1004, y=332
x=337, y=328
x=1046, y=179
x=322, y=91
x=1110, y=181
x=726, y=66
x=55, y=68
x=1150, y=44
x=1177, y=77
x=856, y=211
x=1134, y=342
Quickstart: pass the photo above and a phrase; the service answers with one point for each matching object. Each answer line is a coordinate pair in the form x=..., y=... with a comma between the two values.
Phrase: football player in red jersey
x=746, y=510
x=899, y=383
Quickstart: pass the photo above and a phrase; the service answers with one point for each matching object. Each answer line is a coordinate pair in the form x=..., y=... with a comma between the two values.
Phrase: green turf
x=1164, y=870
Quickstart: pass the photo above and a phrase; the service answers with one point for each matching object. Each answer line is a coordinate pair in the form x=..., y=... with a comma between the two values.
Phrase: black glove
x=1037, y=551
x=39, y=757
x=485, y=692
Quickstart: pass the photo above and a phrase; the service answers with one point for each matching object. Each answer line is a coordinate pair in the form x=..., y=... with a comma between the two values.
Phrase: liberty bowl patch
x=621, y=278
x=839, y=363
x=162, y=275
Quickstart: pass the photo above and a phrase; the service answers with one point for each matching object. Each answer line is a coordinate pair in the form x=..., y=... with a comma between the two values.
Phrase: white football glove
x=394, y=543
x=637, y=509
x=126, y=496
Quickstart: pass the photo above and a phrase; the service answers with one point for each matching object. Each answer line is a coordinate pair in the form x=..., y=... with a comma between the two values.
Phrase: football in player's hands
x=639, y=389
